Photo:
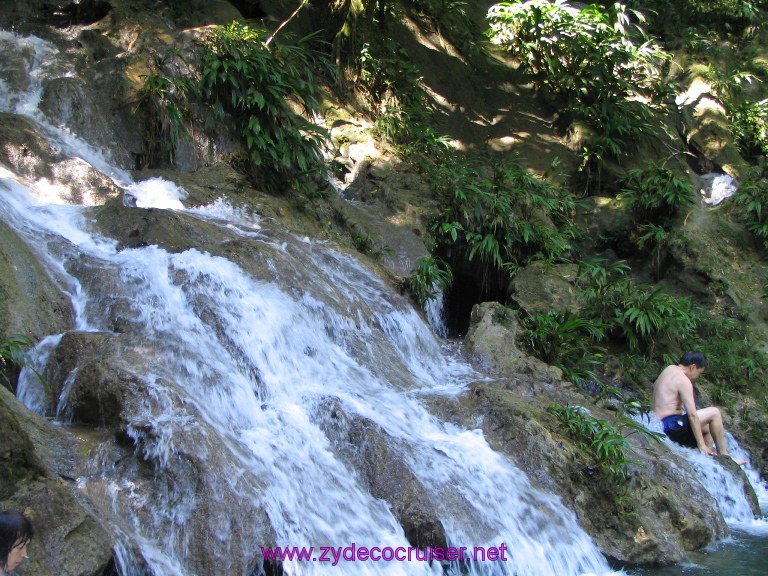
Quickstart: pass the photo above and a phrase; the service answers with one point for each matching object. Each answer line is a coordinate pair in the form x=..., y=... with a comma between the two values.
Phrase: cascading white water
x=719, y=482
x=252, y=360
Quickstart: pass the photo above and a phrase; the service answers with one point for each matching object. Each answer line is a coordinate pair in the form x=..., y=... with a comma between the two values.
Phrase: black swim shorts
x=677, y=427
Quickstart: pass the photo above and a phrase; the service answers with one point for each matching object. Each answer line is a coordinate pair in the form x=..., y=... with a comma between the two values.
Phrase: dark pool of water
x=742, y=554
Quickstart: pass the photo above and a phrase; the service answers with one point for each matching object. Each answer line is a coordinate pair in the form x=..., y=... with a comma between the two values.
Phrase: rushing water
x=237, y=369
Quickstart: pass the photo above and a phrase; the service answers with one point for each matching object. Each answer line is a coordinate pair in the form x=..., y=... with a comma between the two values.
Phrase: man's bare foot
x=739, y=462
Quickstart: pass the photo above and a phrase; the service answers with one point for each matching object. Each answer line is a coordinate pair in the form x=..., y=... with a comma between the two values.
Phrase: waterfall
x=236, y=371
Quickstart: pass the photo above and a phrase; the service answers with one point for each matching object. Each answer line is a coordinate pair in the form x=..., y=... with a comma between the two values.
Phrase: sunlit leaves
x=502, y=218
x=257, y=84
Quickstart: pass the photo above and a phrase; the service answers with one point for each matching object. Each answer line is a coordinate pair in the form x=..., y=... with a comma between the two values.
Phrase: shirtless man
x=673, y=391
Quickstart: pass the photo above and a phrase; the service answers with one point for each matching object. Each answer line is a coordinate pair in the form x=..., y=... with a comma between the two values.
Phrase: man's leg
x=712, y=428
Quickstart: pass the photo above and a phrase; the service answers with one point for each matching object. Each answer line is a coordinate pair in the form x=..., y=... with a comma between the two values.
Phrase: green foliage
x=430, y=275
x=648, y=313
x=599, y=438
x=165, y=103
x=618, y=125
x=259, y=84
x=656, y=194
x=566, y=340
x=736, y=364
x=577, y=53
x=391, y=84
x=597, y=280
x=653, y=238
x=13, y=354
x=641, y=315
x=668, y=18
x=749, y=123
x=504, y=216
x=752, y=199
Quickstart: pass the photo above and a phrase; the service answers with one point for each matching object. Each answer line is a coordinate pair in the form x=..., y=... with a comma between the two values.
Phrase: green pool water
x=742, y=554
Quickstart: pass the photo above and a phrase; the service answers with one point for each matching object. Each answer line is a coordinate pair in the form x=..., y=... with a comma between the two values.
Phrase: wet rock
x=31, y=303
x=18, y=460
x=366, y=447
x=157, y=458
x=744, y=484
x=708, y=131
x=491, y=345
x=29, y=154
x=607, y=218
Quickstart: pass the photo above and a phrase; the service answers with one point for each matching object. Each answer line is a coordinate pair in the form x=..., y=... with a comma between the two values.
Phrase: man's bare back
x=668, y=390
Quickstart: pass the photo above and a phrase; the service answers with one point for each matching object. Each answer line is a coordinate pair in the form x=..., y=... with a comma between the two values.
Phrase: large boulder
x=708, y=130
x=31, y=156
x=154, y=456
x=540, y=287
x=491, y=344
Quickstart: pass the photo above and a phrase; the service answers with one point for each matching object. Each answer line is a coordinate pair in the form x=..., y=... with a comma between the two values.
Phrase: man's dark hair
x=697, y=358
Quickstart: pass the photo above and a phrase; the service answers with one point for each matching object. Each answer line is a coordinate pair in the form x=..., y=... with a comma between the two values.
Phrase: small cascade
x=435, y=309
x=719, y=482
x=227, y=371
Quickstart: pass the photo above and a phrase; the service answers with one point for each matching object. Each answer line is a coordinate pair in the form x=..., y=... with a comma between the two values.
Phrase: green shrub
x=595, y=62
x=641, y=315
x=391, y=85
x=580, y=54
x=566, y=340
x=258, y=84
x=647, y=314
x=599, y=438
x=655, y=194
x=669, y=17
x=503, y=215
x=752, y=199
x=736, y=365
x=429, y=275
x=598, y=281
x=164, y=100
x=13, y=355
x=749, y=123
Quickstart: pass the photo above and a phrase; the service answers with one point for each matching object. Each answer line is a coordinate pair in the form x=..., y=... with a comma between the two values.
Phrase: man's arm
x=689, y=402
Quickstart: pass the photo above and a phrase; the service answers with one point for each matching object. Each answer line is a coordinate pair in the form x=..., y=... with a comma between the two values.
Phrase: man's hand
x=707, y=451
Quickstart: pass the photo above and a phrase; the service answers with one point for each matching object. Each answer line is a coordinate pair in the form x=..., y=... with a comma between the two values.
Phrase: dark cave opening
x=471, y=285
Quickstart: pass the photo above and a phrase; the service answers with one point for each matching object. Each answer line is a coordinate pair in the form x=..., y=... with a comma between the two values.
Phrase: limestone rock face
x=25, y=150
x=708, y=132
x=31, y=303
x=165, y=458
x=491, y=344
x=541, y=287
